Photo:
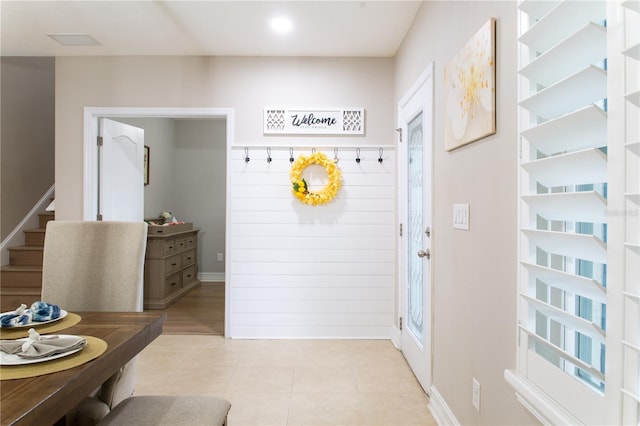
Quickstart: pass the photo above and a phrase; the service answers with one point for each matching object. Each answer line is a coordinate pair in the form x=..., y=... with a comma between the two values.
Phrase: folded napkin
x=21, y=316
x=37, y=346
x=38, y=312
x=43, y=311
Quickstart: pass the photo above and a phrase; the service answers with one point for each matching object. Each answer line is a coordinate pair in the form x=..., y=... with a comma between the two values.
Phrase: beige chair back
x=94, y=266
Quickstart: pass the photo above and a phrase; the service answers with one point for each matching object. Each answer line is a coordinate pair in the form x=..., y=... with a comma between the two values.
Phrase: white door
x=121, y=172
x=415, y=121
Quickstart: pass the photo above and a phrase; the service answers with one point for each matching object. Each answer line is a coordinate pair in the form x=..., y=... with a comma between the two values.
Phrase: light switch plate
x=461, y=216
x=475, y=399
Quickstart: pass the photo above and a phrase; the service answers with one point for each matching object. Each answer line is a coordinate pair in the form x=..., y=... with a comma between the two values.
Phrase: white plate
x=14, y=359
x=63, y=314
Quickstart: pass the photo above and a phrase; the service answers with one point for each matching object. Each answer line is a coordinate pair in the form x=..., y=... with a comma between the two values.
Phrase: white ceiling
x=216, y=28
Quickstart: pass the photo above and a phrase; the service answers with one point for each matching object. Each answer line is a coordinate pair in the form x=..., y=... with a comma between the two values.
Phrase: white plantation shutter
x=563, y=206
x=624, y=206
x=579, y=212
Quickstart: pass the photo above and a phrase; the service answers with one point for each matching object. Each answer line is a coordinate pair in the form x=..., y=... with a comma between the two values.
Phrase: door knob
x=425, y=253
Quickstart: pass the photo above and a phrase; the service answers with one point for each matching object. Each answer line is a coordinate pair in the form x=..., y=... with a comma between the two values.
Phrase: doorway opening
x=188, y=152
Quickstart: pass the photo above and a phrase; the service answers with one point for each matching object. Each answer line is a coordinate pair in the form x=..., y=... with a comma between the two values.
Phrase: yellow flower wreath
x=299, y=185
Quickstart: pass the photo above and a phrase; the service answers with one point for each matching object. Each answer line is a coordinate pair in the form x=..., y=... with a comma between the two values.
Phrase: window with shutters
x=577, y=289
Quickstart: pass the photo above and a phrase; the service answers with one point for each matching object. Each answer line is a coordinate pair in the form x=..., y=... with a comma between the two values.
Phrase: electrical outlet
x=475, y=399
x=219, y=257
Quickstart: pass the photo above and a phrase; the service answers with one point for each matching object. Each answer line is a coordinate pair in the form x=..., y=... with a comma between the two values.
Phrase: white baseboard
x=213, y=277
x=440, y=411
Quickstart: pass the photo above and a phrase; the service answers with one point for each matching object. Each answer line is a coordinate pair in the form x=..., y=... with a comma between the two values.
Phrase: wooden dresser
x=170, y=267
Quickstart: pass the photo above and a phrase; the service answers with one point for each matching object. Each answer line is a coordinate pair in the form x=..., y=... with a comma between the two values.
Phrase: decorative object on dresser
x=170, y=268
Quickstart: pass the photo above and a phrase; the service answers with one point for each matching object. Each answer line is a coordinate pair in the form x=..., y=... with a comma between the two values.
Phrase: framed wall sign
x=330, y=121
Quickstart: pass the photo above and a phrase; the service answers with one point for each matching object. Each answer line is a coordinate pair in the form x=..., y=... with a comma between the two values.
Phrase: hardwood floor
x=201, y=311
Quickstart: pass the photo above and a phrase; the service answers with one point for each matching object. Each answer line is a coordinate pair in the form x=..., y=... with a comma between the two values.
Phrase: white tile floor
x=289, y=382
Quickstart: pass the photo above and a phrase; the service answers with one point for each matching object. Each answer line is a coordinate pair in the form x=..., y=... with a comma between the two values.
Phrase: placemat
x=94, y=348
x=16, y=333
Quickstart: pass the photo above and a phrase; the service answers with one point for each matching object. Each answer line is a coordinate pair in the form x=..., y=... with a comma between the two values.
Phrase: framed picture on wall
x=146, y=165
x=470, y=90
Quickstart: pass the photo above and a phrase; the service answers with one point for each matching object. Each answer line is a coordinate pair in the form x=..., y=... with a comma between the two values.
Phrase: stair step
x=11, y=297
x=21, y=276
x=45, y=217
x=26, y=255
x=34, y=237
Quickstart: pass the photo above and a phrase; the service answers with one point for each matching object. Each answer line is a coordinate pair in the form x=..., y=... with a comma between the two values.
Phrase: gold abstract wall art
x=470, y=90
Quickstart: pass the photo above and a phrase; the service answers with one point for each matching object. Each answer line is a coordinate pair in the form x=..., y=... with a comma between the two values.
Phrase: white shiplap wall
x=299, y=271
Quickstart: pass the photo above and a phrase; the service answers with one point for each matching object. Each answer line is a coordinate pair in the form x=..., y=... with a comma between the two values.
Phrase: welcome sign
x=338, y=121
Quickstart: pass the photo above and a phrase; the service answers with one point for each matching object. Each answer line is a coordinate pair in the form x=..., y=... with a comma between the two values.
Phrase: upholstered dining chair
x=96, y=266
x=99, y=266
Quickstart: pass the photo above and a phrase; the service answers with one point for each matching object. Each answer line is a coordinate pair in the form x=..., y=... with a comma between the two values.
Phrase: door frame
x=425, y=82
x=90, y=167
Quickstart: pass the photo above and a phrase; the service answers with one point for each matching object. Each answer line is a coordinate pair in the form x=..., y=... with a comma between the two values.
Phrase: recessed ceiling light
x=75, y=39
x=281, y=25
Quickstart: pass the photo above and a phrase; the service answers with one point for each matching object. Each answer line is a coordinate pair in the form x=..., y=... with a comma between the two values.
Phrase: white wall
x=312, y=271
x=474, y=272
x=248, y=85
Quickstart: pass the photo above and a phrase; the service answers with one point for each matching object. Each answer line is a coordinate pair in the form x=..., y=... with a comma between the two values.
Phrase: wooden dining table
x=45, y=399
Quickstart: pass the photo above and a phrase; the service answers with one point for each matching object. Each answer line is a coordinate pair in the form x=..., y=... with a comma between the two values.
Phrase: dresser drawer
x=168, y=247
x=172, y=264
x=188, y=275
x=180, y=244
x=190, y=241
x=173, y=283
x=188, y=258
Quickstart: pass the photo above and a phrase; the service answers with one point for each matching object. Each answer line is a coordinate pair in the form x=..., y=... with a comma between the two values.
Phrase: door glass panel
x=415, y=205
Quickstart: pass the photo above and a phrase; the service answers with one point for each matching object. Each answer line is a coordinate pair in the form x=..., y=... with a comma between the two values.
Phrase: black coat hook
x=358, y=155
x=246, y=155
x=291, y=160
x=380, y=151
x=269, y=155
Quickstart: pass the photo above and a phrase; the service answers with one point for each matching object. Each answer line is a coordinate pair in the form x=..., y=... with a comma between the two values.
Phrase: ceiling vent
x=74, y=39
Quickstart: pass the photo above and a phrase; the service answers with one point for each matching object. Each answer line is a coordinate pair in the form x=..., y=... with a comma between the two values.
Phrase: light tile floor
x=289, y=382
